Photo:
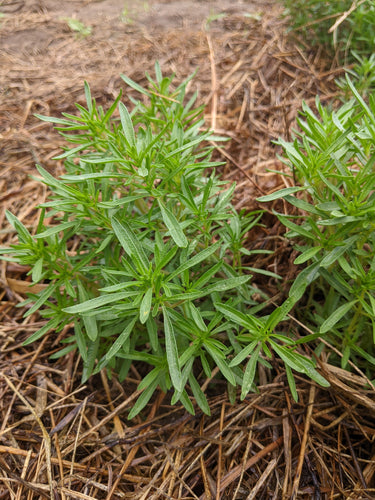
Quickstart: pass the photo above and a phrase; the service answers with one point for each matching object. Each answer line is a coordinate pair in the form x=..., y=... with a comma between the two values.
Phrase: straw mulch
x=62, y=440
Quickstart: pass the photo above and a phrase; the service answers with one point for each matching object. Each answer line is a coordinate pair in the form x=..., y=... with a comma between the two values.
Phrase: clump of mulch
x=76, y=442
x=61, y=439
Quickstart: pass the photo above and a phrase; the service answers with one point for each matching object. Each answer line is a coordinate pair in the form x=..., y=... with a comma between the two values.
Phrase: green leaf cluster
x=141, y=251
x=332, y=159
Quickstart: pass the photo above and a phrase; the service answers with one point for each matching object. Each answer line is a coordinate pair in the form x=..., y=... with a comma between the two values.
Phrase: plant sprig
x=332, y=159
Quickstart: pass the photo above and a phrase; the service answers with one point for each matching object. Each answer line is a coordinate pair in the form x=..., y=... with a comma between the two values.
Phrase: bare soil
x=62, y=440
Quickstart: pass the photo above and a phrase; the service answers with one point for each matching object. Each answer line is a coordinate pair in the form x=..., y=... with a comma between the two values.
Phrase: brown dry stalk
x=46, y=437
x=236, y=472
x=301, y=457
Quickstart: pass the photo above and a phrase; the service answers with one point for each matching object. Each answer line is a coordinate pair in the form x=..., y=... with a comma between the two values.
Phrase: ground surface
x=70, y=441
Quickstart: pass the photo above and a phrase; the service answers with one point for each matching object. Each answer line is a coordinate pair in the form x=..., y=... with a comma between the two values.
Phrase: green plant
x=125, y=15
x=332, y=160
x=362, y=75
x=341, y=27
x=214, y=16
x=78, y=26
x=141, y=252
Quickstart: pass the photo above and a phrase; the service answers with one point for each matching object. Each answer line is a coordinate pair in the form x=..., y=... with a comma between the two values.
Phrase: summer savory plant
x=143, y=253
x=333, y=160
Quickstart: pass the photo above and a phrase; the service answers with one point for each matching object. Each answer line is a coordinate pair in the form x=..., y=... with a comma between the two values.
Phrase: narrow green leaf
x=56, y=229
x=135, y=85
x=173, y=226
x=199, y=395
x=172, y=352
x=334, y=255
x=111, y=110
x=197, y=316
x=205, y=364
x=338, y=220
x=232, y=393
x=165, y=259
x=315, y=376
x=189, y=145
x=221, y=363
x=43, y=297
x=37, y=270
x=143, y=399
x=299, y=363
x=103, y=158
x=51, y=119
x=185, y=296
x=23, y=233
x=307, y=255
x=121, y=339
x=121, y=201
x=120, y=286
x=105, y=242
x=287, y=356
x=200, y=282
x=70, y=178
x=302, y=204
x=63, y=352
x=130, y=243
x=226, y=284
x=88, y=366
x=346, y=266
x=70, y=152
x=335, y=317
x=225, y=199
x=279, y=314
x=359, y=99
x=81, y=341
x=280, y=194
x=51, y=325
x=49, y=179
x=292, y=383
x=91, y=327
x=185, y=400
x=264, y=272
x=364, y=354
x=158, y=73
x=100, y=301
x=88, y=96
x=303, y=280
x=188, y=196
x=154, y=374
x=152, y=331
x=194, y=261
x=249, y=374
x=144, y=310
x=127, y=124
x=331, y=186
x=300, y=230
x=246, y=351
x=239, y=318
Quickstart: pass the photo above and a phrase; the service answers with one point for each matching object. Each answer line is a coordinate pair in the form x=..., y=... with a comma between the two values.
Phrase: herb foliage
x=332, y=159
x=141, y=253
